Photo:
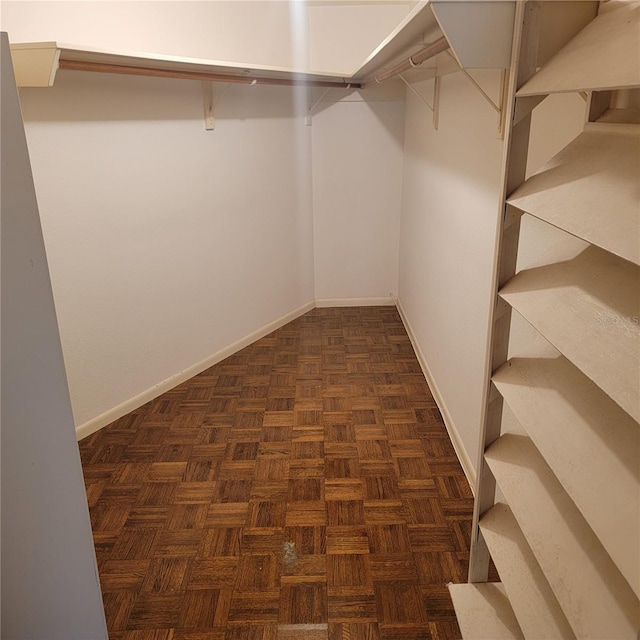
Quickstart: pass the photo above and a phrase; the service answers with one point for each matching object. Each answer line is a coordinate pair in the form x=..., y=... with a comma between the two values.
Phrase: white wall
x=228, y=30
x=343, y=34
x=357, y=188
x=49, y=576
x=449, y=214
x=169, y=244
x=166, y=243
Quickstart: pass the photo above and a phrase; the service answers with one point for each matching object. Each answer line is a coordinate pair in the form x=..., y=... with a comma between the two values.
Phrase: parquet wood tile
x=304, y=488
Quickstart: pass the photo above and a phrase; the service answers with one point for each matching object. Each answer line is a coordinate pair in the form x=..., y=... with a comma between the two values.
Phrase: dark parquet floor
x=304, y=488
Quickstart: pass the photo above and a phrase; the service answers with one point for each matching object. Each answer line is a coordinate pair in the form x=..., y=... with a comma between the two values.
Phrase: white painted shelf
x=591, y=189
x=36, y=65
x=536, y=608
x=604, y=55
x=587, y=307
x=484, y=612
x=592, y=446
x=595, y=598
x=620, y=116
x=567, y=541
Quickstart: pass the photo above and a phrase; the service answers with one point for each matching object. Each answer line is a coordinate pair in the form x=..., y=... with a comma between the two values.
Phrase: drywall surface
x=449, y=214
x=357, y=187
x=227, y=30
x=343, y=34
x=49, y=579
x=167, y=243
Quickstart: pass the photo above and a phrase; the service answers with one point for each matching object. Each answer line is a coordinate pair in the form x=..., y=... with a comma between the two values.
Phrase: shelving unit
x=585, y=307
x=599, y=58
x=561, y=538
x=596, y=172
x=565, y=540
x=596, y=464
x=485, y=612
x=539, y=613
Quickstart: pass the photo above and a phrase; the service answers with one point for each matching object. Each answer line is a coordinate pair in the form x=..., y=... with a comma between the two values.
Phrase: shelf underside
x=595, y=598
x=604, y=55
x=587, y=306
x=536, y=608
x=592, y=446
x=484, y=612
x=591, y=189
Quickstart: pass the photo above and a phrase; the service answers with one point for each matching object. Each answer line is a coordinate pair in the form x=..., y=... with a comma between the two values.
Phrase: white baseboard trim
x=386, y=301
x=453, y=432
x=95, y=424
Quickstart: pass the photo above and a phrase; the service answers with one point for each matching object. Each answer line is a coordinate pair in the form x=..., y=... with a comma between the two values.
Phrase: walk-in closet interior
x=320, y=319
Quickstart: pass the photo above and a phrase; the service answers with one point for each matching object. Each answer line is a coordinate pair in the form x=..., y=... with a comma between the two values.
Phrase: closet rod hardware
x=210, y=102
x=414, y=60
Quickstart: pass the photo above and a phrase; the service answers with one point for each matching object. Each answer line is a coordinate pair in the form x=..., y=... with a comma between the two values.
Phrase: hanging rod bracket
x=209, y=103
x=313, y=105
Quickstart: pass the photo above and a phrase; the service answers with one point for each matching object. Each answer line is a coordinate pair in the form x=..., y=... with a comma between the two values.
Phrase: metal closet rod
x=431, y=50
x=75, y=65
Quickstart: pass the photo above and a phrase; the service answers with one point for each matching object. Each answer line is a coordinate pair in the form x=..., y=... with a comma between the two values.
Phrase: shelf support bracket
x=499, y=109
x=412, y=88
x=436, y=97
x=209, y=103
x=312, y=106
x=436, y=101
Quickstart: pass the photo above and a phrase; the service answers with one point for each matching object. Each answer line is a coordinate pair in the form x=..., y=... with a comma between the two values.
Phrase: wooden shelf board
x=536, y=608
x=587, y=307
x=591, y=190
x=602, y=56
x=88, y=58
x=620, y=116
x=595, y=598
x=484, y=612
x=592, y=446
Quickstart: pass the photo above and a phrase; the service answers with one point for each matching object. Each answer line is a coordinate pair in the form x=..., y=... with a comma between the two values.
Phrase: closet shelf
x=587, y=307
x=592, y=446
x=36, y=64
x=590, y=189
x=619, y=116
x=602, y=56
x=595, y=598
x=536, y=608
x=484, y=612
